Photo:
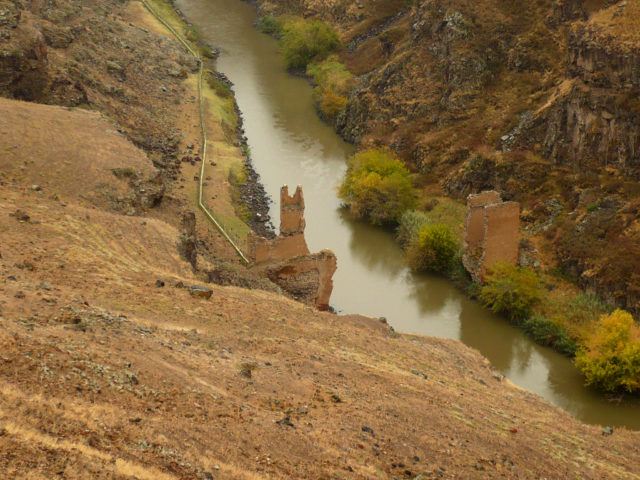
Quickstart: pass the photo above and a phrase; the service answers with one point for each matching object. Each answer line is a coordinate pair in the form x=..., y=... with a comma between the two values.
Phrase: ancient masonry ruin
x=286, y=259
x=491, y=233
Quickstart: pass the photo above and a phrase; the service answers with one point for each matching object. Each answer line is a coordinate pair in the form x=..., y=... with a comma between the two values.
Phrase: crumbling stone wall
x=491, y=233
x=291, y=212
x=291, y=242
x=286, y=260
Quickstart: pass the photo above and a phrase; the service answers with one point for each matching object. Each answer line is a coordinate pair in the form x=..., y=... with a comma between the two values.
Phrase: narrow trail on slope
x=203, y=131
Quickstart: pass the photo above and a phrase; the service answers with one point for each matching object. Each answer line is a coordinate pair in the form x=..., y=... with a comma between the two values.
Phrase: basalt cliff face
x=537, y=100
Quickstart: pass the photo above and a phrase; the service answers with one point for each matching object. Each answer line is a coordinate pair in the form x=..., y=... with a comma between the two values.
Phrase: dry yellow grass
x=158, y=393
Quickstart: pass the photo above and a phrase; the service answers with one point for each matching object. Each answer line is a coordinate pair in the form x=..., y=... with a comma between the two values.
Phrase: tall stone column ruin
x=286, y=259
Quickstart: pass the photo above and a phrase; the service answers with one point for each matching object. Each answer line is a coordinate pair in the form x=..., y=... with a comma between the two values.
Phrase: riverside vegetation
x=310, y=47
x=379, y=188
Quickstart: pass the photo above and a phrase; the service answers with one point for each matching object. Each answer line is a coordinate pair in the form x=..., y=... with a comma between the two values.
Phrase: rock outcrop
x=23, y=56
x=286, y=260
x=491, y=233
x=188, y=242
x=593, y=117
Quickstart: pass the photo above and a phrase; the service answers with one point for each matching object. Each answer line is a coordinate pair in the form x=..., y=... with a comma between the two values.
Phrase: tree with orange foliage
x=610, y=356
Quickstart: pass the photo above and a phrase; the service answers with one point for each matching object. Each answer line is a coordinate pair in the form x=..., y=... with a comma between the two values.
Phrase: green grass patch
x=238, y=178
x=221, y=103
x=575, y=314
x=221, y=88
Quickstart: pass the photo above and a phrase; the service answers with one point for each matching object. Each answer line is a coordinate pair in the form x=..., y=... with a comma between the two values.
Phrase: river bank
x=559, y=314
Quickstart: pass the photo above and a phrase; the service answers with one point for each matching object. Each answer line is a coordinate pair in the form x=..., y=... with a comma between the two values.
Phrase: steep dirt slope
x=77, y=152
x=104, y=374
x=111, y=367
x=72, y=52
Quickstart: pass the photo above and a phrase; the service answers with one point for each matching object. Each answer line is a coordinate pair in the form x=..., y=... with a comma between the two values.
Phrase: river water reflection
x=290, y=145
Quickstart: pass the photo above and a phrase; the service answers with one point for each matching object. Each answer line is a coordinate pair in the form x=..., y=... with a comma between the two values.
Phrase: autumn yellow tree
x=610, y=357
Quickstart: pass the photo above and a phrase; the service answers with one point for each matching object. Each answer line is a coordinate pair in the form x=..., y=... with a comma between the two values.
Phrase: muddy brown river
x=291, y=145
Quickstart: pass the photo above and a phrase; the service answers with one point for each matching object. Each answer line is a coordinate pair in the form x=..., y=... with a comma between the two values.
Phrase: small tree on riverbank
x=610, y=357
x=434, y=249
x=304, y=40
x=377, y=187
x=511, y=290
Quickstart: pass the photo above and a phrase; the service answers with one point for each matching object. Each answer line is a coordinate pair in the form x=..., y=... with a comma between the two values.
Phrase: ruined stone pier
x=491, y=233
x=286, y=259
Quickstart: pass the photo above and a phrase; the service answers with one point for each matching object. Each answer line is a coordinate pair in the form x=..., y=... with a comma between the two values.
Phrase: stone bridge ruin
x=286, y=260
x=491, y=233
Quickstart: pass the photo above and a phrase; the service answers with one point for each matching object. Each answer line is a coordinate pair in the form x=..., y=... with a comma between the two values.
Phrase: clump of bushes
x=610, y=357
x=303, y=40
x=575, y=314
x=377, y=187
x=548, y=333
x=333, y=83
x=331, y=103
x=434, y=249
x=511, y=290
x=410, y=225
x=269, y=25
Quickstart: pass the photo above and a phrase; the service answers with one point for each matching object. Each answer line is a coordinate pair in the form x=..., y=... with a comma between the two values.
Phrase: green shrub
x=511, y=290
x=434, y=250
x=610, y=356
x=269, y=25
x=550, y=334
x=333, y=83
x=574, y=314
x=331, y=104
x=331, y=72
x=206, y=52
x=192, y=34
x=221, y=88
x=410, y=225
x=304, y=40
x=377, y=187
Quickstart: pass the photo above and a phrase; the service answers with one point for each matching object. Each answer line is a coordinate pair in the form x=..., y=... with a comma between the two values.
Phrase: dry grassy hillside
x=105, y=375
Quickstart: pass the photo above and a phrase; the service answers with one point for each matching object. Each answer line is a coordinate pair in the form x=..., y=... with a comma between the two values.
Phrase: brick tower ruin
x=491, y=233
x=286, y=259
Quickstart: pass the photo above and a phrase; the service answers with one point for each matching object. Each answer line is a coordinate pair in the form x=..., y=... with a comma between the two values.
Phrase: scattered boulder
x=200, y=291
x=21, y=216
